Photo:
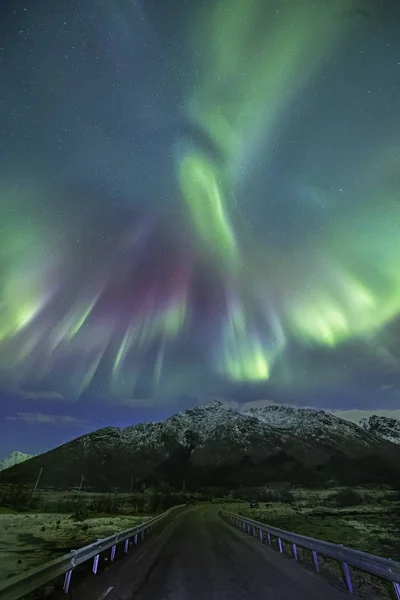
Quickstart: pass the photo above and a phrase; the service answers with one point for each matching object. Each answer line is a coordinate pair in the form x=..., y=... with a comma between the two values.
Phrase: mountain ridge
x=214, y=444
x=387, y=428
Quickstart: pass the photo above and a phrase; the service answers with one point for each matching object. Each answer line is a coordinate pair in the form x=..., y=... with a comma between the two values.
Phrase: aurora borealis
x=200, y=199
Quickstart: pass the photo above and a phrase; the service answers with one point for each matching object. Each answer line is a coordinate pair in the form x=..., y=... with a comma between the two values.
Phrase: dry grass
x=28, y=540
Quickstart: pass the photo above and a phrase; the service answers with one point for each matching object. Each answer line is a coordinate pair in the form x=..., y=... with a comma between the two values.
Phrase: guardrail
x=21, y=585
x=381, y=567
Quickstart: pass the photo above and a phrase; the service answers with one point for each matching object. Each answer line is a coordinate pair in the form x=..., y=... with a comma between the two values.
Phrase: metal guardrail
x=20, y=586
x=385, y=568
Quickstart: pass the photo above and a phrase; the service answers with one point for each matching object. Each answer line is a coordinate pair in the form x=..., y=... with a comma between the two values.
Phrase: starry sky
x=198, y=200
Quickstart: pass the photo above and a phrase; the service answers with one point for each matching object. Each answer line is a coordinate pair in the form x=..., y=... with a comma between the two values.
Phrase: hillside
x=214, y=445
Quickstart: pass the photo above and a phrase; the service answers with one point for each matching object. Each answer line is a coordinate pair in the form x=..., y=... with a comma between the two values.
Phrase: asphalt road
x=200, y=557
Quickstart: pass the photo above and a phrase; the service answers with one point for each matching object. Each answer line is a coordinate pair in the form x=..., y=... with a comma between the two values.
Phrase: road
x=200, y=557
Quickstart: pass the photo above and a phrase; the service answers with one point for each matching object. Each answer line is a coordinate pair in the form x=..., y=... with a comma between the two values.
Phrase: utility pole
x=37, y=482
x=80, y=485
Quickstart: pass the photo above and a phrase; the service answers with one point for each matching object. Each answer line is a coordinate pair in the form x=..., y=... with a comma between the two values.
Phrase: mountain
x=214, y=445
x=384, y=427
x=15, y=458
x=319, y=430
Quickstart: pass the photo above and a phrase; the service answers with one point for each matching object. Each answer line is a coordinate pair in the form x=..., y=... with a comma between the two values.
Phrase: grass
x=4, y=510
x=360, y=531
x=31, y=539
x=20, y=499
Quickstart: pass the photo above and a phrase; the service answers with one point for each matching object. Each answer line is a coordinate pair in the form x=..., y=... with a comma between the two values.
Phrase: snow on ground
x=28, y=540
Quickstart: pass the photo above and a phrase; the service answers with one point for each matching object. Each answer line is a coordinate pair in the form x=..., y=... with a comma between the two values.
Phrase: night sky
x=198, y=200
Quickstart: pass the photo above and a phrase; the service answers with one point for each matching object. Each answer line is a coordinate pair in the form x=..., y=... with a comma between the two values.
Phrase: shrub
x=371, y=498
x=105, y=504
x=269, y=496
x=329, y=501
x=80, y=512
x=19, y=498
x=348, y=497
x=137, y=502
x=287, y=497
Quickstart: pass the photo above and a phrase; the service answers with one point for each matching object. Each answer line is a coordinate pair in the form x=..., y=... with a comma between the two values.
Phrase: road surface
x=200, y=557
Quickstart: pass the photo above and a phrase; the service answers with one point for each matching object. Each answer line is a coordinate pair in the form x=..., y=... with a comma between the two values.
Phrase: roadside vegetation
x=361, y=518
x=367, y=519
x=39, y=526
x=85, y=503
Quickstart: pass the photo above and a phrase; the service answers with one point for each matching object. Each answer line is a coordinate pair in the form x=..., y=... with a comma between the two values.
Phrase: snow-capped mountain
x=214, y=445
x=384, y=427
x=314, y=426
x=15, y=458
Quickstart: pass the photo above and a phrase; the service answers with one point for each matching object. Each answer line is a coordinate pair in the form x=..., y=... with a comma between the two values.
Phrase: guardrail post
x=254, y=530
x=261, y=535
x=112, y=555
x=143, y=534
x=347, y=576
x=315, y=560
x=269, y=538
x=67, y=581
x=294, y=549
x=396, y=587
x=248, y=528
x=95, y=564
x=135, y=539
x=280, y=545
x=126, y=545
